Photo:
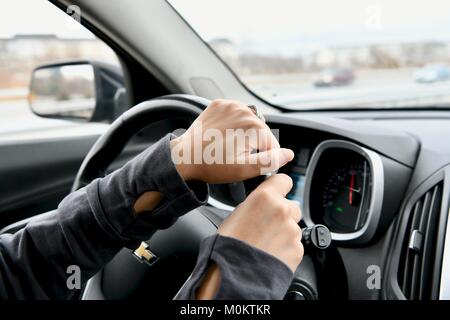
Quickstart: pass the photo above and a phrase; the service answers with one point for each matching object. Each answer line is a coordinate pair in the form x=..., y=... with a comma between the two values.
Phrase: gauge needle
x=351, y=188
x=354, y=190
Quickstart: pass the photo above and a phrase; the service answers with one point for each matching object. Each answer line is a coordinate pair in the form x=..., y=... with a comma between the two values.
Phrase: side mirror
x=77, y=90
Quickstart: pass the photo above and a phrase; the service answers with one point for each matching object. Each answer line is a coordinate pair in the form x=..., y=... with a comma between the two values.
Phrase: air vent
x=418, y=255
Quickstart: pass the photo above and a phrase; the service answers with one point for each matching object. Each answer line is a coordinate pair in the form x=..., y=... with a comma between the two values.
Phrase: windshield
x=332, y=54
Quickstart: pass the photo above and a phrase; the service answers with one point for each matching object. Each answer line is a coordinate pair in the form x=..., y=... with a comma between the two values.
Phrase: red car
x=335, y=77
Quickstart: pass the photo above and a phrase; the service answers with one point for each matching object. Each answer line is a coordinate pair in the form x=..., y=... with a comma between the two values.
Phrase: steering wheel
x=125, y=276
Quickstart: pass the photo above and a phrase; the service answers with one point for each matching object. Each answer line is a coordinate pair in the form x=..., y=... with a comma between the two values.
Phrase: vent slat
x=415, y=277
x=420, y=227
x=417, y=254
x=428, y=244
x=409, y=260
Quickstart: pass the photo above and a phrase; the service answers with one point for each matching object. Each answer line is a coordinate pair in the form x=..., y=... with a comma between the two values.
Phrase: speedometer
x=345, y=197
x=344, y=190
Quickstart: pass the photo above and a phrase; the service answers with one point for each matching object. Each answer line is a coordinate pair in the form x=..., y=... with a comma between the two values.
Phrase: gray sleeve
x=92, y=224
x=247, y=273
x=112, y=198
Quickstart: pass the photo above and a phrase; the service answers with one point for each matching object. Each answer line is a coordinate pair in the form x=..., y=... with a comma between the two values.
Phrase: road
x=394, y=88
x=385, y=88
x=17, y=122
x=16, y=116
x=364, y=95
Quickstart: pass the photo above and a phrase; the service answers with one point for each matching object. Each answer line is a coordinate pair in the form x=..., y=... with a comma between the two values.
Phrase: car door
x=40, y=155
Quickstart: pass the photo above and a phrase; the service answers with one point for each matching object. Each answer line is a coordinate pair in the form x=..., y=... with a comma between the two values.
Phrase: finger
x=250, y=135
x=266, y=139
x=269, y=161
x=274, y=141
x=295, y=211
x=298, y=231
x=279, y=184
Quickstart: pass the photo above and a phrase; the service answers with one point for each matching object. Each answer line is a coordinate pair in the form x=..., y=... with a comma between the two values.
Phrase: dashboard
x=337, y=182
x=383, y=193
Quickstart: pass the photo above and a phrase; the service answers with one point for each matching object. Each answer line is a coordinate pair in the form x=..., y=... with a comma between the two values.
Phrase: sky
x=274, y=23
x=267, y=21
x=264, y=18
x=37, y=17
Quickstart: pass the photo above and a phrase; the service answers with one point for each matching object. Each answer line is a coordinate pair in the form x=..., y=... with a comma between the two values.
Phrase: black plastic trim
x=391, y=284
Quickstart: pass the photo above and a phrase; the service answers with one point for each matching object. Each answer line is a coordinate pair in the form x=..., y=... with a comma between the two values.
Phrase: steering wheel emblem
x=144, y=254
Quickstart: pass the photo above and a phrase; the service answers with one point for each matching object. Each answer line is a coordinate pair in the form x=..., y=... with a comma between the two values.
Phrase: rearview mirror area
x=77, y=90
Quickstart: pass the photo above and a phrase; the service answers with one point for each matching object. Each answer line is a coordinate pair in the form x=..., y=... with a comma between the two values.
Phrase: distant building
x=21, y=53
x=30, y=47
x=383, y=55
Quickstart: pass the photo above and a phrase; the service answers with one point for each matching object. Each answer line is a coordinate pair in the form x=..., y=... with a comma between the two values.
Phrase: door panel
x=39, y=157
x=36, y=175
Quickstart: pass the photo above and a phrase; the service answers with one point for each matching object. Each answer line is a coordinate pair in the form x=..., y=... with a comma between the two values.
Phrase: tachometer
x=345, y=197
x=344, y=190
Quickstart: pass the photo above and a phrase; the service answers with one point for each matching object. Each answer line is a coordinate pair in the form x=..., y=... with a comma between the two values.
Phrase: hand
x=220, y=145
x=269, y=221
x=248, y=133
x=265, y=220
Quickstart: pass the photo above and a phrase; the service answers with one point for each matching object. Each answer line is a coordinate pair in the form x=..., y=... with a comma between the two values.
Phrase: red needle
x=352, y=184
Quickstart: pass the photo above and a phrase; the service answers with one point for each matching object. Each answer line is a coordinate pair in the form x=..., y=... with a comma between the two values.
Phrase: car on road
x=432, y=73
x=334, y=77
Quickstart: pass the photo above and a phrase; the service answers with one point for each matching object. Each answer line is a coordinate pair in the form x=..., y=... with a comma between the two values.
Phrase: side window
x=53, y=70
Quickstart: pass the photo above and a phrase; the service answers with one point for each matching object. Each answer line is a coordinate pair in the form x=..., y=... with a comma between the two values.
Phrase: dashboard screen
x=296, y=193
x=297, y=172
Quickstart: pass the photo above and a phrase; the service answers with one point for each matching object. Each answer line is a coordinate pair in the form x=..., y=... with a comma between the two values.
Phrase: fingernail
x=288, y=154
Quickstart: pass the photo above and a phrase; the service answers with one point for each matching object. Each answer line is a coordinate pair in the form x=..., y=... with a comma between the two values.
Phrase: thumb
x=268, y=161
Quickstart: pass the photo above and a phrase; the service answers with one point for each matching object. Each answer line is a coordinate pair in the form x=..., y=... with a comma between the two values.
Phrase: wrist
x=185, y=170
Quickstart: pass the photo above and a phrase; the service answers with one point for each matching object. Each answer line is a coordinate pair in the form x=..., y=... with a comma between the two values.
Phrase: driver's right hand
x=269, y=221
x=236, y=133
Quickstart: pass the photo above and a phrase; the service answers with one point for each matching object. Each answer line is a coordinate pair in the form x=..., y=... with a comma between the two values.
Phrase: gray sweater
x=92, y=224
